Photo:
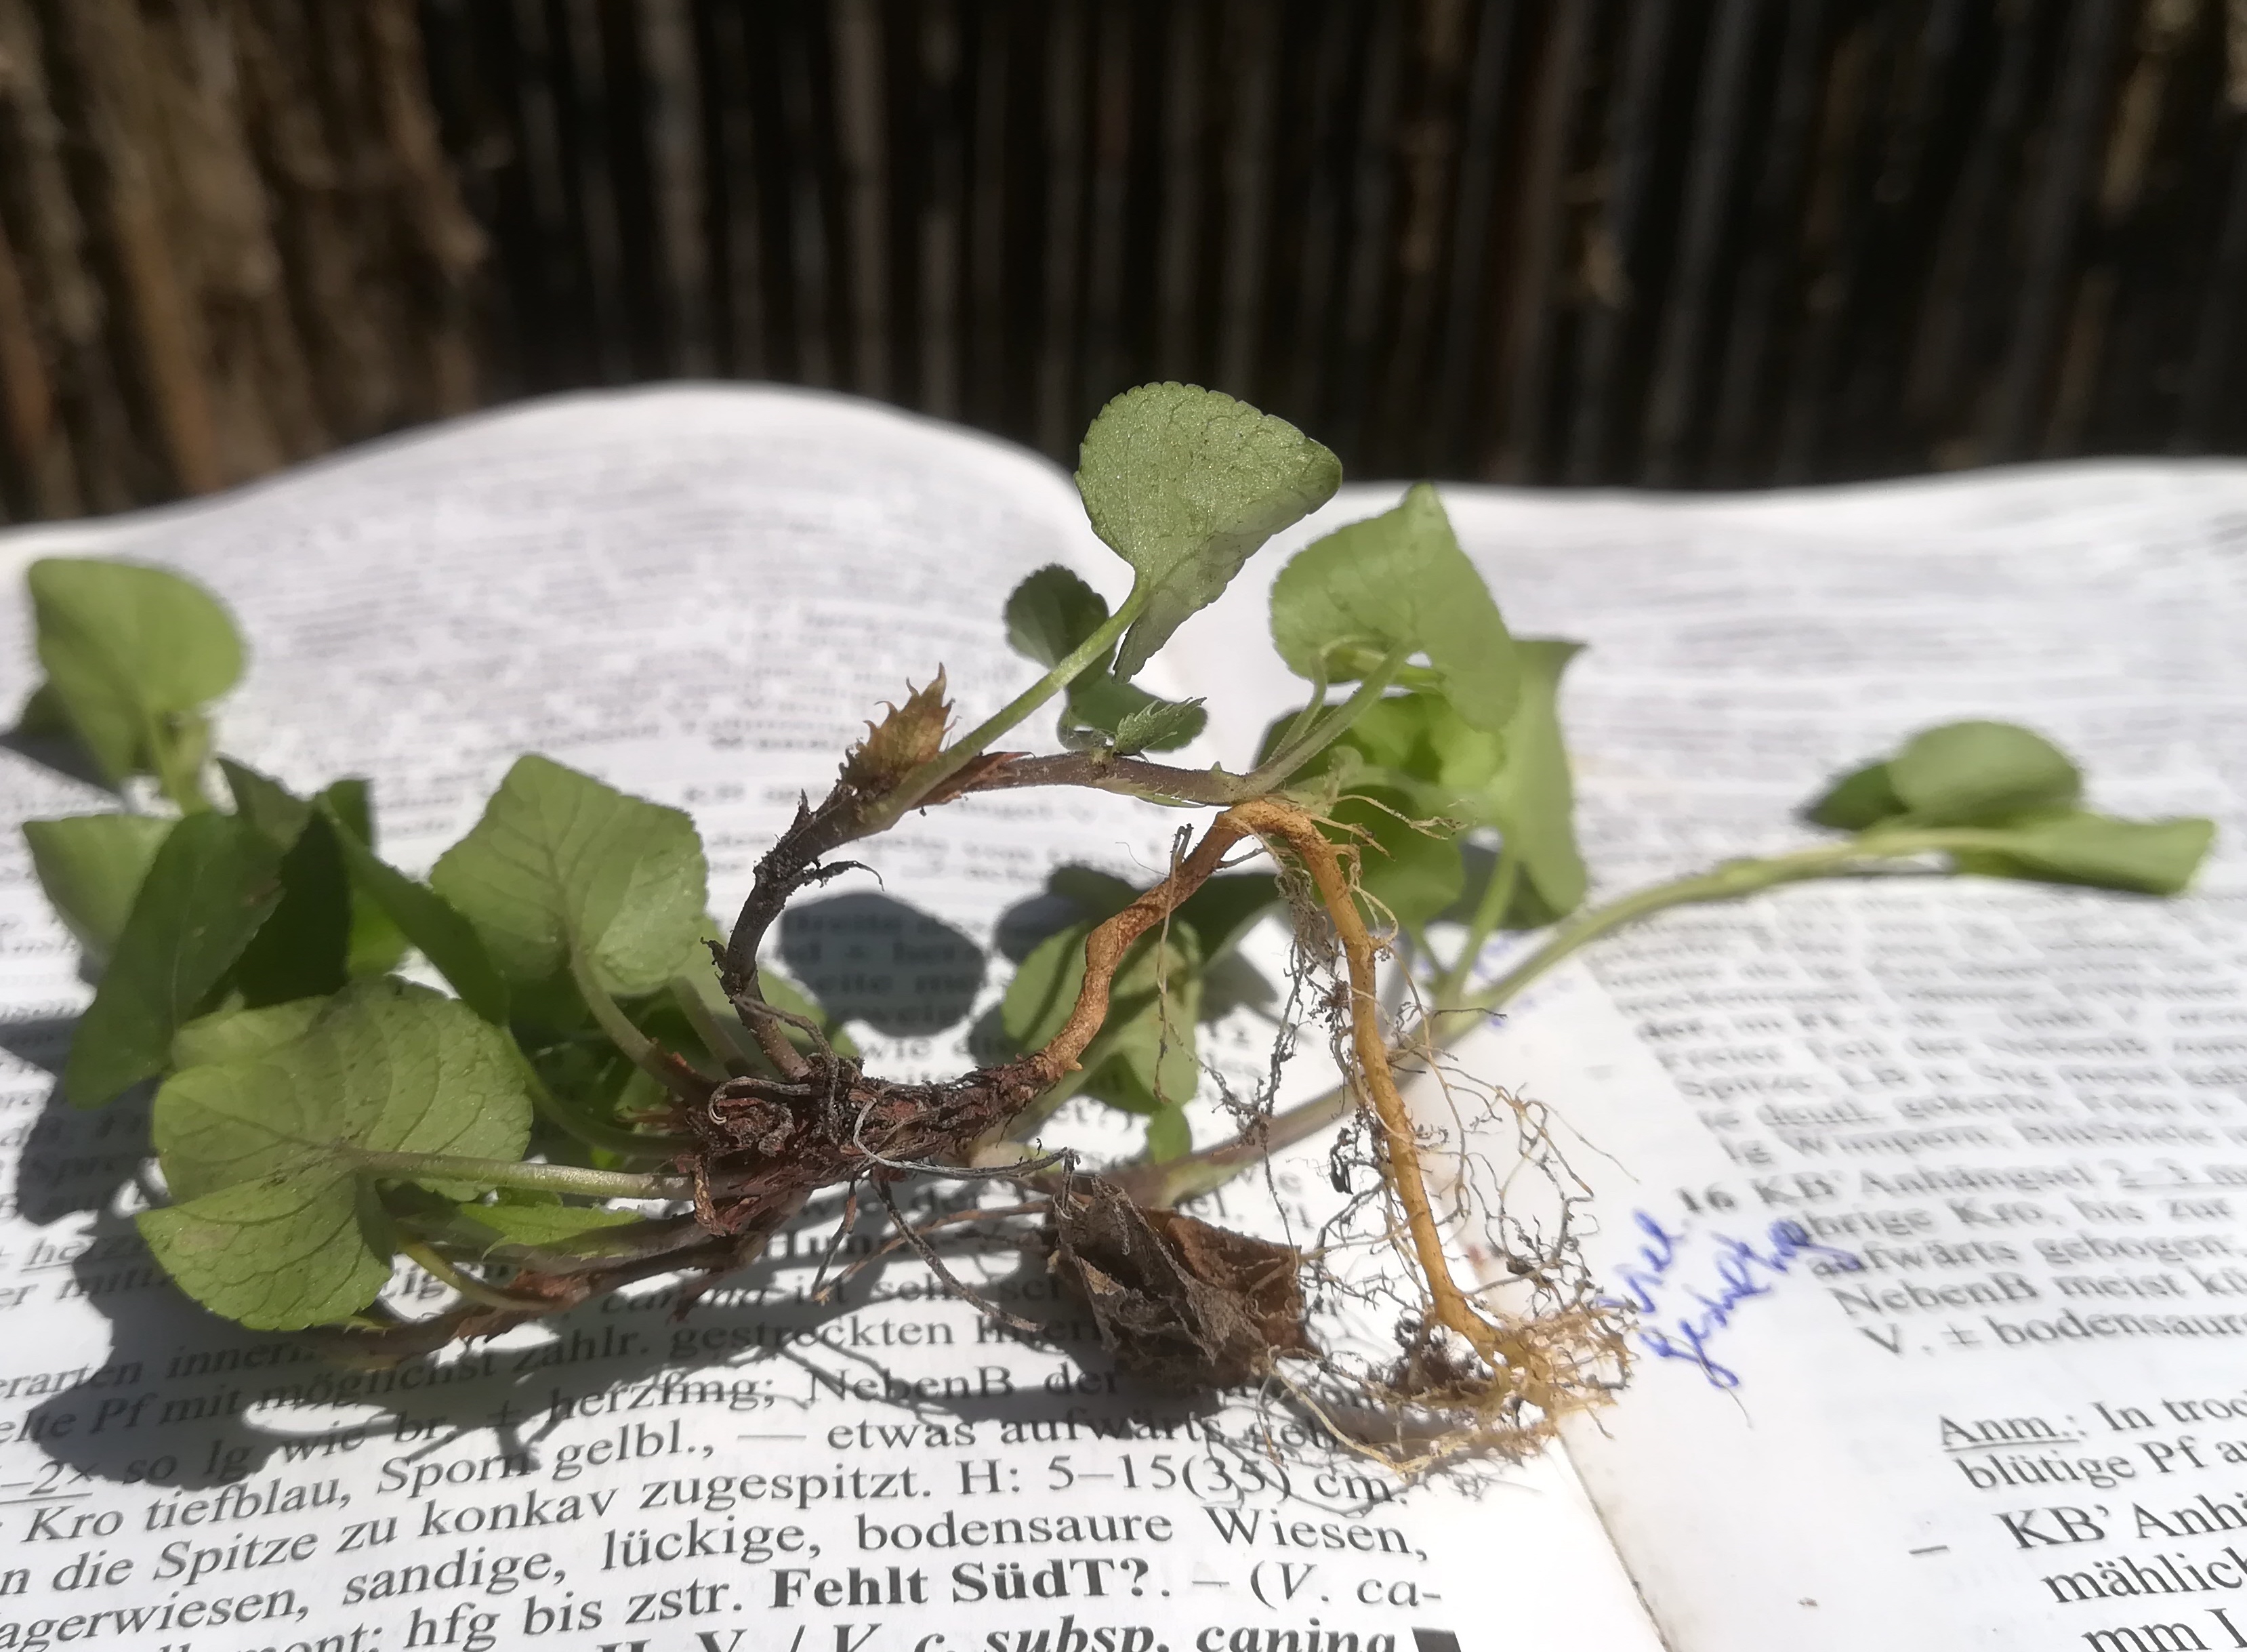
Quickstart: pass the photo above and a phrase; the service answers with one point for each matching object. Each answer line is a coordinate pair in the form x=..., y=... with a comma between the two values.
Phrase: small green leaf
x=1045, y=986
x=265, y=803
x=1164, y=726
x=132, y=654
x=2142, y=857
x=1393, y=746
x=1860, y=799
x=1184, y=483
x=43, y=717
x=1965, y=774
x=1398, y=581
x=1145, y=1057
x=1417, y=757
x=1530, y=798
x=560, y=861
x=1226, y=908
x=1396, y=782
x=1409, y=866
x=1101, y=712
x=1217, y=915
x=1098, y=895
x=1144, y=1053
x=1051, y=614
x=304, y=949
x=273, y=1229
x=377, y=945
x=90, y=867
x=514, y=1224
x=239, y=1035
x=214, y=882
x=425, y=919
x=1232, y=982
x=1169, y=1134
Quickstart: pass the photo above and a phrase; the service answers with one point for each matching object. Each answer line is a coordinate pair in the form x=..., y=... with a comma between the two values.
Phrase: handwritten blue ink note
x=1677, y=1319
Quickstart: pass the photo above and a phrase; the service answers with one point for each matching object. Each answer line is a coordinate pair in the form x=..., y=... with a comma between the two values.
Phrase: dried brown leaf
x=1177, y=1300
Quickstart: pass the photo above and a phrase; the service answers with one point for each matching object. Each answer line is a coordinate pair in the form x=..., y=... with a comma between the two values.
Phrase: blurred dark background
x=1678, y=242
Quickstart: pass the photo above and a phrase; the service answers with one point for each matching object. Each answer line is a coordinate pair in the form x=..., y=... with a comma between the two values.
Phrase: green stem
x=731, y=1050
x=1447, y=1022
x=1489, y=912
x=1302, y=720
x=507, y=1172
x=594, y=1131
x=1731, y=881
x=467, y=1285
x=637, y=1047
x=1292, y=754
x=925, y=779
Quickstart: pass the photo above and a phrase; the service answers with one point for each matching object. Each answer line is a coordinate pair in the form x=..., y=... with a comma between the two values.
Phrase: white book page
x=2022, y=1421
x=697, y=595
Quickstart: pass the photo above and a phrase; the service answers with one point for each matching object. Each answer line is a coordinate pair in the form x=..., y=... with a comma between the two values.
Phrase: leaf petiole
x=1294, y=753
x=1731, y=881
x=636, y=1046
x=1489, y=912
x=925, y=779
x=594, y=1131
x=425, y=1257
x=505, y=1173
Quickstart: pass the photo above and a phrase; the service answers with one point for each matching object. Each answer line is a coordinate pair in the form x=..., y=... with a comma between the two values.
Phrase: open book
x=1931, y=1195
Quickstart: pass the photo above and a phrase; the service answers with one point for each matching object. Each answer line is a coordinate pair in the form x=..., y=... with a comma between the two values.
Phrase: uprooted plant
x=605, y=1046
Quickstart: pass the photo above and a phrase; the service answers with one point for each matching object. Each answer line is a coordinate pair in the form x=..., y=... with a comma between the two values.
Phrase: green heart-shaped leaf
x=276, y=1254
x=1387, y=776
x=1859, y=801
x=304, y=949
x=1052, y=614
x=2142, y=857
x=212, y=883
x=90, y=867
x=1964, y=774
x=428, y=920
x=561, y=864
x=132, y=655
x=1226, y=908
x=1398, y=581
x=1184, y=484
x=239, y=1035
x=1045, y=986
x=1169, y=1134
x=377, y=945
x=1144, y=1058
x=1098, y=895
x=273, y=1228
x=1529, y=794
